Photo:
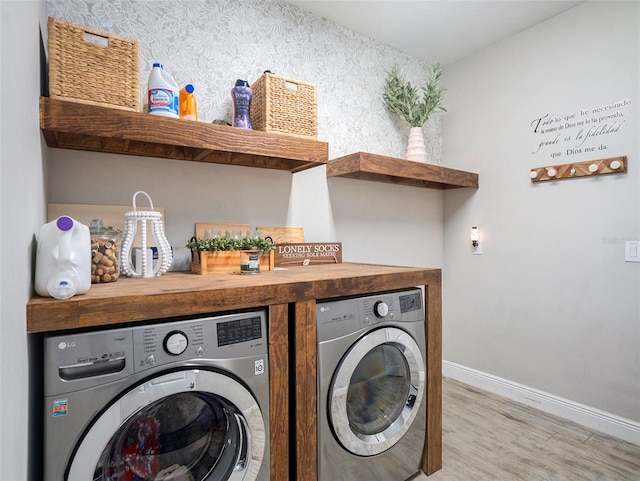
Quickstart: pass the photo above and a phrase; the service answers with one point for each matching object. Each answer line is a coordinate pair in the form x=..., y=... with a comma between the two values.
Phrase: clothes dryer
x=184, y=400
x=371, y=387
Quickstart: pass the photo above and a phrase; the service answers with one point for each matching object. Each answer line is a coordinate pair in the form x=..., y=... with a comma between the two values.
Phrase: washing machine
x=371, y=387
x=185, y=400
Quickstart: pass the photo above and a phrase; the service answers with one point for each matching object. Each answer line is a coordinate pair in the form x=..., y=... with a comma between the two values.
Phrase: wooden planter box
x=224, y=262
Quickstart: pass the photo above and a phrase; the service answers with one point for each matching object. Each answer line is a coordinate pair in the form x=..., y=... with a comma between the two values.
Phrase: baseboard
x=589, y=417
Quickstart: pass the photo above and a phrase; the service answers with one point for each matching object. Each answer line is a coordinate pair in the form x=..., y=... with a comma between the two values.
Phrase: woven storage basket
x=285, y=106
x=93, y=67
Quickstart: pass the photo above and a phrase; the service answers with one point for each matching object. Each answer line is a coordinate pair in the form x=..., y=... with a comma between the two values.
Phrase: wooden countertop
x=184, y=293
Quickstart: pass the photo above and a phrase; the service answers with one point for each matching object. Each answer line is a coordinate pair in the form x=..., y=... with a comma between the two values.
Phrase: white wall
x=211, y=44
x=550, y=304
x=22, y=211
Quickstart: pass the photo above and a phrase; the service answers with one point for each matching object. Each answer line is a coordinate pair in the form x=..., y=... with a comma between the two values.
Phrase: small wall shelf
x=71, y=125
x=380, y=168
x=613, y=165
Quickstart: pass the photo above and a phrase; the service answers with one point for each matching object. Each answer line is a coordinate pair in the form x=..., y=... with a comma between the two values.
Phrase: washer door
x=376, y=391
x=188, y=425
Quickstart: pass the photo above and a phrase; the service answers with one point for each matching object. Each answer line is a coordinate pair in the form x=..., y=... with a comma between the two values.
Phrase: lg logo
x=64, y=345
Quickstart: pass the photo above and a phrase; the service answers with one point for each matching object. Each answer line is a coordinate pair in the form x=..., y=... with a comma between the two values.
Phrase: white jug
x=163, y=95
x=63, y=259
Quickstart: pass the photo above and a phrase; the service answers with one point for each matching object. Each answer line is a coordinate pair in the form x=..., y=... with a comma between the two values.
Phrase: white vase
x=416, y=150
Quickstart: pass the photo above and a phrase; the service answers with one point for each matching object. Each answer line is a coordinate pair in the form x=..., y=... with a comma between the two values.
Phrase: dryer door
x=187, y=425
x=376, y=391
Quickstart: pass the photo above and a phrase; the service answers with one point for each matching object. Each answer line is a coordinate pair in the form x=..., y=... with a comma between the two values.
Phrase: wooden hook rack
x=613, y=165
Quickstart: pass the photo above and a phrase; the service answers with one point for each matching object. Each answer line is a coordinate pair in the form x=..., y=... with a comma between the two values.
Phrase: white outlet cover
x=632, y=251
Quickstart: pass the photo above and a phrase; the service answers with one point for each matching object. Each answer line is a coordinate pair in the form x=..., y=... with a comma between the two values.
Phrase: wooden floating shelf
x=72, y=125
x=589, y=168
x=380, y=168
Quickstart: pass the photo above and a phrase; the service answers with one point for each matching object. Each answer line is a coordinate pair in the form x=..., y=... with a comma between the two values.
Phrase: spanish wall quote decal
x=584, y=132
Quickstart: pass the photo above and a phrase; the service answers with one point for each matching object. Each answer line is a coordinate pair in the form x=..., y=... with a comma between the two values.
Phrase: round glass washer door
x=376, y=391
x=189, y=425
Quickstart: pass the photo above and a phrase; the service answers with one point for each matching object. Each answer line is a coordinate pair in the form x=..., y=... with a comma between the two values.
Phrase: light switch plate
x=632, y=251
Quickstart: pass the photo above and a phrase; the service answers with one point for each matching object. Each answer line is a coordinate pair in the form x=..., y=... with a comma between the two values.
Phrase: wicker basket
x=285, y=106
x=93, y=67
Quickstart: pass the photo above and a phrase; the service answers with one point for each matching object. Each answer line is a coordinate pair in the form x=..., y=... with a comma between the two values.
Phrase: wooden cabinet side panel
x=279, y=391
x=306, y=392
x=432, y=460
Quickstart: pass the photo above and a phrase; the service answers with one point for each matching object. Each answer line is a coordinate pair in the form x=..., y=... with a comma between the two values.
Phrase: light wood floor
x=490, y=438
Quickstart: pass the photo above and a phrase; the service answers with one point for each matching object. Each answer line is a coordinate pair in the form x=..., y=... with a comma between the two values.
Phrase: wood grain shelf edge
x=73, y=125
x=380, y=168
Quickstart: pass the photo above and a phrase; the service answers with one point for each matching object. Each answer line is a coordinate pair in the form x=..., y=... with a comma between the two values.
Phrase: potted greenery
x=220, y=254
x=404, y=100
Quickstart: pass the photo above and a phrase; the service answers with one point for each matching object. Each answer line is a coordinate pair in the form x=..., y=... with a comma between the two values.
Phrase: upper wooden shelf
x=72, y=125
x=379, y=168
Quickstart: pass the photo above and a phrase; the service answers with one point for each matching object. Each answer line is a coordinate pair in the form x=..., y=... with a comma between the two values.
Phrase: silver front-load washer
x=371, y=387
x=183, y=400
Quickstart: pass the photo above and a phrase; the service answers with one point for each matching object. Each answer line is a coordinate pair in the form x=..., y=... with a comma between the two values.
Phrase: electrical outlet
x=477, y=249
x=632, y=251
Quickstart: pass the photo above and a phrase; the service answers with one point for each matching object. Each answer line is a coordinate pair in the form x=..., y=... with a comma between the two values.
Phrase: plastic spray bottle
x=242, y=95
x=163, y=93
x=188, y=106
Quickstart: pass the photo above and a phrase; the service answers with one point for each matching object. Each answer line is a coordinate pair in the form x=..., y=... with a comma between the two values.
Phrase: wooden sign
x=303, y=254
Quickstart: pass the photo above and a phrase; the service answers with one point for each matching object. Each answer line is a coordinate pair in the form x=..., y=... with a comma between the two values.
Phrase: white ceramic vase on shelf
x=416, y=150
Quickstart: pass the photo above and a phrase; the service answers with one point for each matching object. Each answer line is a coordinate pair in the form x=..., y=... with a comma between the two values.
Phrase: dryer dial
x=175, y=343
x=380, y=309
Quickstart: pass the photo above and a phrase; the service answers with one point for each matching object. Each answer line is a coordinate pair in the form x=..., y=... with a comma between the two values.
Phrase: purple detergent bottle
x=242, y=95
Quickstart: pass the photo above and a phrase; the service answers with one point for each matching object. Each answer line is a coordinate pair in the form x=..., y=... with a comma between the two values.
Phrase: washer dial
x=175, y=343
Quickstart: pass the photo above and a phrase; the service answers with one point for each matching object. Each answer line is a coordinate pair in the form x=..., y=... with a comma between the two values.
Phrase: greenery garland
x=402, y=99
x=264, y=245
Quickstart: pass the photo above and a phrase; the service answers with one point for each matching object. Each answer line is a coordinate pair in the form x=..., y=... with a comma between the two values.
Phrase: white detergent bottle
x=163, y=93
x=63, y=259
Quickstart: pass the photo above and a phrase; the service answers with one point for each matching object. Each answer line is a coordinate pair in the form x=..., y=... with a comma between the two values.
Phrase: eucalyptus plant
x=403, y=99
x=262, y=244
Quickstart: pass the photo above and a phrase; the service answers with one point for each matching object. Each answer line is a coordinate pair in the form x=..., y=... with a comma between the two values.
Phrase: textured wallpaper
x=211, y=43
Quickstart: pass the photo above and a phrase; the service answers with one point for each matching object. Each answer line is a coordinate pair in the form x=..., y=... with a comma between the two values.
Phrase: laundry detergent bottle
x=242, y=96
x=163, y=93
x=188, y=105
x=63, y=259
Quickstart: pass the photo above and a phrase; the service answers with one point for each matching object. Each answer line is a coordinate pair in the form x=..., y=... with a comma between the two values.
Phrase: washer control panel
x=221, y=337
x=75, y=361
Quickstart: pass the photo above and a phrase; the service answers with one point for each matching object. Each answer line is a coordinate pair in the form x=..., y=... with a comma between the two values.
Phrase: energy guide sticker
x=60, y=407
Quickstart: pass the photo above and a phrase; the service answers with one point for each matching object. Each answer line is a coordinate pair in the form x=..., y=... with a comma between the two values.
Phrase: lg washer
x=183, y=400
x=371, y=387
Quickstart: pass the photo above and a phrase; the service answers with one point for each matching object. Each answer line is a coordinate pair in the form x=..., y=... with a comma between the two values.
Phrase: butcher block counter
x=291, y=297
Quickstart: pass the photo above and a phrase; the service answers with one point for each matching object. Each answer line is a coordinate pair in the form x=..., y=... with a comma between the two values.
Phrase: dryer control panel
x=344, y=316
